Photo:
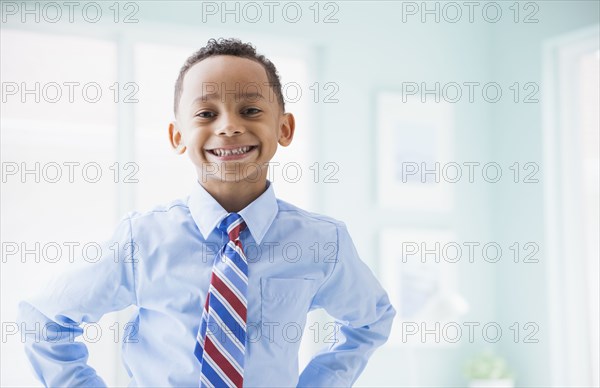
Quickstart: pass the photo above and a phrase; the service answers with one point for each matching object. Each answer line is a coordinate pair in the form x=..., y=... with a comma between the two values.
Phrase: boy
x=222, y=280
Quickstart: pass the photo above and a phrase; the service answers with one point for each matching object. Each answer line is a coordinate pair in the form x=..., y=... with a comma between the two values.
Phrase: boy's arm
x=354, y=297
x=51, y=321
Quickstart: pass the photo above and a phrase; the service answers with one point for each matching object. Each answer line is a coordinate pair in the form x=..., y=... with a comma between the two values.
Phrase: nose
x=230, y=125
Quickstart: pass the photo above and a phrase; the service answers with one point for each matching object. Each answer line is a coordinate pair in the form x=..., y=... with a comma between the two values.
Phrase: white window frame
x=572, y=360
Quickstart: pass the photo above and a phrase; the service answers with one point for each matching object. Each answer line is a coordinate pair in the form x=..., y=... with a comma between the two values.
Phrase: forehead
x=224, y=71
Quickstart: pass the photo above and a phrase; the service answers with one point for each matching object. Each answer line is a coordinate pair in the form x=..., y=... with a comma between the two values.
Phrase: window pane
x=57, y=77
x=61, y=190
x=164, y=175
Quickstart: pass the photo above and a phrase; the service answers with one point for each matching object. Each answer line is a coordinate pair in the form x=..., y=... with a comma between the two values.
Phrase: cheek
x=269, y=150
x=195, y=142
x=196, y=138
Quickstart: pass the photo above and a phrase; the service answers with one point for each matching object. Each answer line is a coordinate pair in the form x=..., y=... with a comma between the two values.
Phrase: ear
x=287, y=125
x=175, y=138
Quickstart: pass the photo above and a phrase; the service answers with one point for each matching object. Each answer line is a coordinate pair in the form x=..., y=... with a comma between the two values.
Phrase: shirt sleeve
x=51, y=321
x=361, y=307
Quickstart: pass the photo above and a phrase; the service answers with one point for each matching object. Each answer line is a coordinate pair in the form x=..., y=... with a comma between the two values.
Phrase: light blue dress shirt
x=298, y=261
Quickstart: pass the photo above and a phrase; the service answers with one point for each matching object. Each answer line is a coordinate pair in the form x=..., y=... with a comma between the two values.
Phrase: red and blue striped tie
x=221, y=340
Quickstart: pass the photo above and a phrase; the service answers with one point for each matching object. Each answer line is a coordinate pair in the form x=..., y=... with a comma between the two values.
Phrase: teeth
x=234, y=151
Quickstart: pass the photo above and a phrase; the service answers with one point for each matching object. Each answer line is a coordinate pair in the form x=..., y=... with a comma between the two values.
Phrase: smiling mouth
x=231, y=151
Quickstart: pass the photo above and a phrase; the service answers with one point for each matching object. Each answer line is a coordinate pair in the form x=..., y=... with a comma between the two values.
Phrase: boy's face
x=229, y=120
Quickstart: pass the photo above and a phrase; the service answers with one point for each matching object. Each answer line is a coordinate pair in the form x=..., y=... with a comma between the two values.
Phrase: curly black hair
x=236, y=48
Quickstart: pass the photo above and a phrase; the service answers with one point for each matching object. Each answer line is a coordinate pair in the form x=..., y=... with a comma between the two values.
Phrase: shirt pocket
x=285, y=302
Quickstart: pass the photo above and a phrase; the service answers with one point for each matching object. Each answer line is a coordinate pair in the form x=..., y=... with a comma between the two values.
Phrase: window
x=59, y=149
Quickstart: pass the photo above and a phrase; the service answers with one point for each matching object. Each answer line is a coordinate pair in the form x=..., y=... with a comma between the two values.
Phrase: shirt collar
x=208, y=213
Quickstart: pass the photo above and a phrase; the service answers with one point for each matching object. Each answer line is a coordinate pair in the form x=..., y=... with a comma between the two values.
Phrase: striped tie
x=221, y=340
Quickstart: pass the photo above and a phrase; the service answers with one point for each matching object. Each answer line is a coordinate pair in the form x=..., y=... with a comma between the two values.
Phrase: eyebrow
x=217, y=96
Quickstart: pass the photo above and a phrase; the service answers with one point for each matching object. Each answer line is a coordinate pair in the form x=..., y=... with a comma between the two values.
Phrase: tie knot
x=232, y=225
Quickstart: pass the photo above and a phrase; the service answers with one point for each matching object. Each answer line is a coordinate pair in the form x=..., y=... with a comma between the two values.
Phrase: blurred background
x=457, y=140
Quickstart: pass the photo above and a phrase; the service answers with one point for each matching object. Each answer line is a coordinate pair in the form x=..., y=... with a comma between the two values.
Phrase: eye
x=251, y=111
x=206, y=114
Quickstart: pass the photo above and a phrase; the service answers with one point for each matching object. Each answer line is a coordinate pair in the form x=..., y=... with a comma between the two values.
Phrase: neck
x=234, y=196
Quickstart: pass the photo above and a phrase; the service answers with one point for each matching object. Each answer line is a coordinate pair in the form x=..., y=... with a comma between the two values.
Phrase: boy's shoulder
x=176, y=207
x=293, y=210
